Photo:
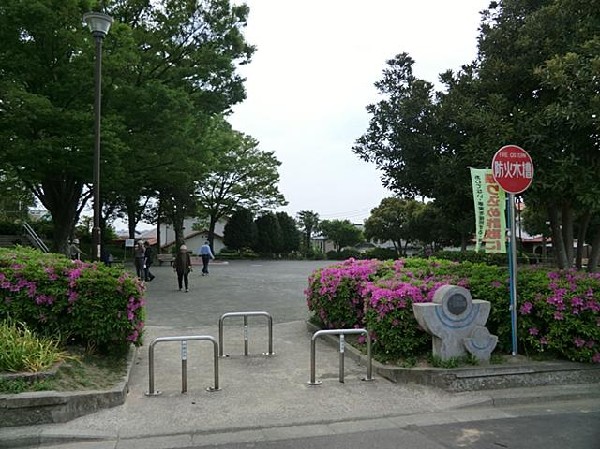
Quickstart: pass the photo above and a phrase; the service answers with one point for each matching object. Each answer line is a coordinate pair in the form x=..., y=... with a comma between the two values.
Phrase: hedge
x=86, y=303
x=559, y=311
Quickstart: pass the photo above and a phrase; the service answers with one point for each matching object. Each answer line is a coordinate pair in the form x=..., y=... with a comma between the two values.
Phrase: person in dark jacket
x=182, y=265
x=148, y=262
x=138, y=259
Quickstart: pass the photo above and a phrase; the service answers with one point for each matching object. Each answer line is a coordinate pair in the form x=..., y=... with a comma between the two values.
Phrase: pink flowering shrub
x=335, y=293
x=559, y=312
x=91, y=304
x=388, y=305
x=563, y=318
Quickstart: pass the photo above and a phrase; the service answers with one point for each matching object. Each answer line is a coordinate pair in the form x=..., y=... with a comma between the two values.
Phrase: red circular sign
x=512, y=168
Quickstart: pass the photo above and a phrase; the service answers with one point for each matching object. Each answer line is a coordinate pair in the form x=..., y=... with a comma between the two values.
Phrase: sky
x=313, y=75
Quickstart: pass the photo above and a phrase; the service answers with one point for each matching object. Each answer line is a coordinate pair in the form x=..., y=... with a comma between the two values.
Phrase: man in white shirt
x=206, y=254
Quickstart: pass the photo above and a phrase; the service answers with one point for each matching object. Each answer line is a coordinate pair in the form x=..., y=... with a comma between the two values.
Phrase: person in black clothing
x=148, y=262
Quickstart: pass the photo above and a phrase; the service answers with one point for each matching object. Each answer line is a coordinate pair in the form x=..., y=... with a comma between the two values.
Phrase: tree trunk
x=594, y=258
x=464, y=241
x=61, y=197
x=567, y=232
x=131, y=220
x=558, y=246
x=211, y=231
x=583, y=227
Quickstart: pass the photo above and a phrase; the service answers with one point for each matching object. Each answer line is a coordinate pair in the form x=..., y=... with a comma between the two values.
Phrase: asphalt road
x=570, y=430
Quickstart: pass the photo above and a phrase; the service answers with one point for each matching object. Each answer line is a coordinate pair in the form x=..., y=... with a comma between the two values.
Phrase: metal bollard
x=246, y=315
x=183, y=340
x=341, y=333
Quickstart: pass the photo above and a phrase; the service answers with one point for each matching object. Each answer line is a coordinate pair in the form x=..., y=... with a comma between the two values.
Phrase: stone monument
x=457, y=323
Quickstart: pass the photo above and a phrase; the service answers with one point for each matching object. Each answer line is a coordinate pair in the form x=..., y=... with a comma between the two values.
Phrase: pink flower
x=526, y=308
x=533, y=331
x=558, y=316
x=596, y=357
x=579, y=342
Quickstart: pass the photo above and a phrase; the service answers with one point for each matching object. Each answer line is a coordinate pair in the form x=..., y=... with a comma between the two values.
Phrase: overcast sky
x=312, y=77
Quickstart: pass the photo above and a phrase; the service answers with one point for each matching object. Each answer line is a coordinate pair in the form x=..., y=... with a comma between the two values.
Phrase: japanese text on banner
x=489, y=201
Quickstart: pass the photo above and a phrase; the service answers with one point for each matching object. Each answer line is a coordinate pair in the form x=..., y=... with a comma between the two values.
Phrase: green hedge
x=559, y=311
x=89, y=304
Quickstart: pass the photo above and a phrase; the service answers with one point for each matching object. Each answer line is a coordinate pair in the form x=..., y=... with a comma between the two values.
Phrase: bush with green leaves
x=90, y=304
x=559, y=311
x=564, y=317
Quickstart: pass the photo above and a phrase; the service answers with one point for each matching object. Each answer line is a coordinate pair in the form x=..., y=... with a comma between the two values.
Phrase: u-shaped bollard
x=183, y=340
x=246, y=315
x=341, y=333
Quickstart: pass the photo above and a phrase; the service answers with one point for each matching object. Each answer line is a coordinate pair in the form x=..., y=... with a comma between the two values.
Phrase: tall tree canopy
x=534, y=83
x=168, y=66
x=397, y=220
x=241, y=176
x=308, y=221
x=341, y=232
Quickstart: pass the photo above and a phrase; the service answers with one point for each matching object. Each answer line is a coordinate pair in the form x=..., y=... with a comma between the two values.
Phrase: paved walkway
x=261, y=398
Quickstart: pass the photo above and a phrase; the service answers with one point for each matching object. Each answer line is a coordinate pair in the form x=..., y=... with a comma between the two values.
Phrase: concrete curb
x=47, y=407
x=526, y=375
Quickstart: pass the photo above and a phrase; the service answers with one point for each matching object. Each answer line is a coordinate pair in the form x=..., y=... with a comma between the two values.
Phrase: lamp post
x=99, y=24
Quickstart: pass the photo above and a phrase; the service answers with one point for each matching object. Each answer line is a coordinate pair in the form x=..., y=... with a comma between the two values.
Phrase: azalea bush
x=563, y=318
x=559, y=312
x=335, y=293
x=388, y=305
x=90, y=304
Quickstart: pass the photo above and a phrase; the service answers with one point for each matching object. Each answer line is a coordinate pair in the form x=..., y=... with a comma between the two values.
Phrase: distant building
x=193, y=239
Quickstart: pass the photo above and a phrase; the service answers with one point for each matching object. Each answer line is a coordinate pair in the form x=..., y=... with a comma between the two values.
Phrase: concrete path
x=261, y=398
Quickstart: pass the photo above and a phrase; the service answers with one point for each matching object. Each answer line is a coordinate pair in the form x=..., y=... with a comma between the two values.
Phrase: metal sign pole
x=512, y=263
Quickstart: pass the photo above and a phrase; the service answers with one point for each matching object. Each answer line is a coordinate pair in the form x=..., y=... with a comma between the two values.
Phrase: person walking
x=206, y=254
x=182, y=265
x=148, y=262
x=138, y=254
x=74, y=251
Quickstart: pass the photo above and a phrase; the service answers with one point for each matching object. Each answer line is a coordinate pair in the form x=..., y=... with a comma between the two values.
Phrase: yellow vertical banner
x=495, y=224
x=489, y=202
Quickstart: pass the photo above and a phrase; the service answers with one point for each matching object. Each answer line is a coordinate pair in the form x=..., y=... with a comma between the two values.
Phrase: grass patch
x=29, y=361
x=22, y=350
x=80, y=372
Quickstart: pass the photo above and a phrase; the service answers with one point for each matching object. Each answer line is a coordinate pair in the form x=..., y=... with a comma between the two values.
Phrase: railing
x=183, y=340
x=341, y=333
x=37, y=241
x=246, y=315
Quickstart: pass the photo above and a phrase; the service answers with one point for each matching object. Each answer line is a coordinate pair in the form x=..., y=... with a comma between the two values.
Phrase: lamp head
x=98, y=23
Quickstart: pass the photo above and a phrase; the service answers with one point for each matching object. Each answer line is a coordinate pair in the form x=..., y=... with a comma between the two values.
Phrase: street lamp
x=99, y=25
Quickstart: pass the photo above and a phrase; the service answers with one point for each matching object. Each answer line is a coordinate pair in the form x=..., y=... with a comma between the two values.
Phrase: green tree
x=268, y=234
x=539, y=58
x=308, y=221
x=15, y=198
x=168, y=66
x=240, y=231
x=395, y=219
x=290, y=235
x=341, y=232
x=532, y=84
x=241, y=176
x=45, y=117
x=167, y=92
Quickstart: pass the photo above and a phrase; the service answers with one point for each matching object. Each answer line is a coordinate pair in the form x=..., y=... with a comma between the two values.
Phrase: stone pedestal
x=456, y=323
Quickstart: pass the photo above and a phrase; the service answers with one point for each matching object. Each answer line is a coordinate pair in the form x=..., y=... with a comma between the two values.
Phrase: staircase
x=34, y=238
x=28, y=238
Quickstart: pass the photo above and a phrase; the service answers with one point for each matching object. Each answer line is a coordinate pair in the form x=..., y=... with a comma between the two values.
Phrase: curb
x=51, y=407
x=525, y=382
